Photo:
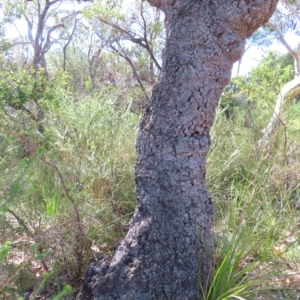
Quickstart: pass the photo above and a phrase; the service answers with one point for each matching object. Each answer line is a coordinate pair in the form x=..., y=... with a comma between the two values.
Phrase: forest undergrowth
x=67, y=193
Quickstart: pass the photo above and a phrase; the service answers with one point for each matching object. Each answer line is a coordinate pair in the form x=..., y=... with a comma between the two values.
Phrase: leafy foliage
x=255, y=190
x=90, y=141
x=254, y=95
x=18, y=87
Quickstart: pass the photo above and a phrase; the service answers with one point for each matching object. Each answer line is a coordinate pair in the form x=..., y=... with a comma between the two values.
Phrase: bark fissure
x=166, y=253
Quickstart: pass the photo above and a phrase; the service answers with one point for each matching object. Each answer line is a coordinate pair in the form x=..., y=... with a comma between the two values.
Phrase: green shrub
x=72, y=194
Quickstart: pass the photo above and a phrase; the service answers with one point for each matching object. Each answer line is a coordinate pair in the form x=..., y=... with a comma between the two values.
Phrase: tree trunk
x=167, y=251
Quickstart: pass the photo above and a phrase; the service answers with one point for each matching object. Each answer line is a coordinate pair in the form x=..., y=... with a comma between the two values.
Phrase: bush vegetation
x=67, y=185
x=65, y=195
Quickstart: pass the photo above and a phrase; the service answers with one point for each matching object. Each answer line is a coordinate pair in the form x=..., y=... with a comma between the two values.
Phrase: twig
x=30, y=235
x=78, y=220
x=285, y=133
x=21, y=222
x=11, y=278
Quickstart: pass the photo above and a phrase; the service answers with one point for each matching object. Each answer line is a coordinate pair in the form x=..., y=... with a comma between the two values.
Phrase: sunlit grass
x=255, y=192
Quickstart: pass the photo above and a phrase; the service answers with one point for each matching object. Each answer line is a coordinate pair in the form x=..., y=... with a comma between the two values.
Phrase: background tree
x=136, y=35
x=285, y=20
x=43, y=19
x=168, y=245
x=253, y=95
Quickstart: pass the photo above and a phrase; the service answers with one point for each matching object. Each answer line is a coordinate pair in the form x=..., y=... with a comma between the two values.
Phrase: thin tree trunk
x=167, y=251
x=288, y=87
x=274, y=121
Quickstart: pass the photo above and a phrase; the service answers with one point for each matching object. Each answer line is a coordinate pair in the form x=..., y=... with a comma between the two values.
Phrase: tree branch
x=281, y=38
x=67, y=44
x=147, y=44
x=288, y=87
x=136, y=39
x=20, y=43
x=53, y=28
x=48, y=41
x=135, y=73
x=29, y=31
x=79, y=235
x=295, y=54
x=53, y=2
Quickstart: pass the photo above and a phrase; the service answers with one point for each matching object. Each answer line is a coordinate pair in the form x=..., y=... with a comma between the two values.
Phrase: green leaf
x=4, y=209
x=4, y=250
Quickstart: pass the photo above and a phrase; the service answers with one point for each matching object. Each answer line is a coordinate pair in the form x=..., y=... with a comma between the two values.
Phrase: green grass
x=255, y=192
x=68, y=194
x=88, y=150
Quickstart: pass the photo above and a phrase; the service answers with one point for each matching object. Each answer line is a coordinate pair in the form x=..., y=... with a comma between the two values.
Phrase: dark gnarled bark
x=166, y=253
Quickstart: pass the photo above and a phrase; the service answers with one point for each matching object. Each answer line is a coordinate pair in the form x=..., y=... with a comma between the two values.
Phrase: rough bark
x=166, y=253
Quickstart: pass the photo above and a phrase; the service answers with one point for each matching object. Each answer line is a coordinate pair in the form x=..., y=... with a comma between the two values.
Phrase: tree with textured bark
x=167, y=251
x=286, y=19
